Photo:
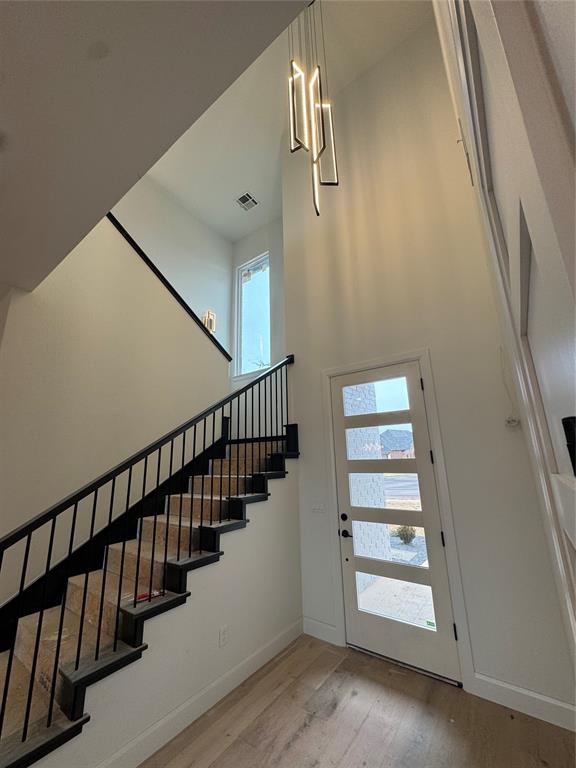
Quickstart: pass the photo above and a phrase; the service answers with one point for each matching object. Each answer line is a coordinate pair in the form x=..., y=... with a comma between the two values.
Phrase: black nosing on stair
x=15, y=753
x=251, y=498
x=75, y=681
x=132, y=617
x=177, y=570
x=275, y=462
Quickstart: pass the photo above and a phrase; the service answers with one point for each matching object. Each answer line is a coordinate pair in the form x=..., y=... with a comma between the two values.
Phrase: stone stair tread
x=207, y=497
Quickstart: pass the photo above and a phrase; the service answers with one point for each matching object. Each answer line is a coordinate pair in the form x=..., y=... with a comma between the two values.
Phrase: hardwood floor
x=318, y=706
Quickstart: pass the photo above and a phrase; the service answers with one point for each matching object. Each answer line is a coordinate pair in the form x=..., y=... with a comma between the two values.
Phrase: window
x=253, y=315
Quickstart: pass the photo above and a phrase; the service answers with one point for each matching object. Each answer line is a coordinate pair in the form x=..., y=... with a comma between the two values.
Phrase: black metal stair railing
x=211, y=464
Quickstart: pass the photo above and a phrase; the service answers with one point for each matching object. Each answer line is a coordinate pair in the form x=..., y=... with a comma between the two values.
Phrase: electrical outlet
x=222, y=636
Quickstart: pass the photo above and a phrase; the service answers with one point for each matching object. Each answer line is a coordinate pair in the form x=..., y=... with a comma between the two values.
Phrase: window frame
x=265, y=255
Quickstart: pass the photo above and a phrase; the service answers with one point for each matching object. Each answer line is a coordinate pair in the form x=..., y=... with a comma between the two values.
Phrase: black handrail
x=214, y=468
x=165, y=282
x=36, y=522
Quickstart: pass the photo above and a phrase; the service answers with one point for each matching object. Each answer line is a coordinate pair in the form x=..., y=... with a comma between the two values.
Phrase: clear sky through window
x=255, y=315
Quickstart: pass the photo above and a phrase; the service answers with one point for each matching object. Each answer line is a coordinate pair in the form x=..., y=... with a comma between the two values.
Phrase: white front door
x=396, y=592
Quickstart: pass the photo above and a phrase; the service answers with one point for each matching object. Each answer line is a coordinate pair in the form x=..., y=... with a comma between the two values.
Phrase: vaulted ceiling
x=93, y=93
x=237, y=144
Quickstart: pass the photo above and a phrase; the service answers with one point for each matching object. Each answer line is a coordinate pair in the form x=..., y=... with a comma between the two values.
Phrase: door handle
x=345, y=534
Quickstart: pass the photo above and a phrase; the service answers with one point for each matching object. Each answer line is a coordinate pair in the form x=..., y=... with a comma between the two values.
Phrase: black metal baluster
x=212, y=467
x=13, y=644
x=237, y=439
x=245, y=439
x=287, y=397
x=282, y=424
x=229, y=456
x=61, y=620
x=259, y=426
x=270, y=447
x=222, y=447
x=105, y=571
x=192, y=481
x=139, y=552
x=181, y=494
x=167, y=523
x=155, y=525
x=85, y=592
x=122, y=556
x=265, y=416
x=276, y=407
x=202, y=484
x=38, y=634
x=252, y=438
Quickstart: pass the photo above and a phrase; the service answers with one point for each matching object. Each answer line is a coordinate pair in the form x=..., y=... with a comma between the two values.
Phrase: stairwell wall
x=397, y=262
x=96, y=363
x=194, y=258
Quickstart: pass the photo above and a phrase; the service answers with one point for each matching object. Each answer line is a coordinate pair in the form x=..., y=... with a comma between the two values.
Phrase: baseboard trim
x=146, y=743
x=523, y=700
x=327, y=632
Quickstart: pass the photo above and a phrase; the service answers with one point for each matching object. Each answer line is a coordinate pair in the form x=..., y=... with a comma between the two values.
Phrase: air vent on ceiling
x=246, y=201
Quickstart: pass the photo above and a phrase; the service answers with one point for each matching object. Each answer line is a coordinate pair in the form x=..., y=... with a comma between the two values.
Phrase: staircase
x=81, y=617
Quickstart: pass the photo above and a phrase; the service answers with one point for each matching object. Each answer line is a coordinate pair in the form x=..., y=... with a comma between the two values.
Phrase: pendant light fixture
x=309, y=105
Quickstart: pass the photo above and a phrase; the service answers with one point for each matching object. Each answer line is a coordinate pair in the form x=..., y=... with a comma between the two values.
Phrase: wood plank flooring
x=319, y=706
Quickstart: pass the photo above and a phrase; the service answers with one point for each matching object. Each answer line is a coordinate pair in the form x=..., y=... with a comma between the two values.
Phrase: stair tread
x=214, y=497
x=41, y=740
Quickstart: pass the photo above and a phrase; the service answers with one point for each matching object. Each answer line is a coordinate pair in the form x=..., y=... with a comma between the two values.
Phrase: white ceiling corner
x=237, y=145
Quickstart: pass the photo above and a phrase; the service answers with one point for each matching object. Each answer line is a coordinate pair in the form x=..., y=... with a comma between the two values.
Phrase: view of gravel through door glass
x=395, y=599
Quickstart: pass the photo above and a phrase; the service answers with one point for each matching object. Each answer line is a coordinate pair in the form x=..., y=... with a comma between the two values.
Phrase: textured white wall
x=254, y=590
x=557, y=21
x=95, y=364
x=397, y=262
x=194, y=258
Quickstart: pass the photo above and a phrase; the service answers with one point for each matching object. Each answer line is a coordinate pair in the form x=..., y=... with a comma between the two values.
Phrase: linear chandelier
x=309, y=106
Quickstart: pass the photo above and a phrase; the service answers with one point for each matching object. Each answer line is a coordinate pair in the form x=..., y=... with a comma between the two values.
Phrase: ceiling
x=236, y=146
x=92, y=94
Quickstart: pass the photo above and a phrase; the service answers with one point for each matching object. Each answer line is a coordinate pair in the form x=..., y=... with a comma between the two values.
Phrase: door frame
x=423, y=357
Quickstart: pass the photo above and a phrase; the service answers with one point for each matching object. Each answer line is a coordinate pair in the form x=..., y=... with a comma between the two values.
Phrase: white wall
x=183, y=673
x=192, y=256
x=557, y=22
x=268, y=238
x=95, y=364
x=397, y=262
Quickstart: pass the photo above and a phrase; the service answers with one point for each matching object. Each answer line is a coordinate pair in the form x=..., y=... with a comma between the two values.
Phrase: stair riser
x=236, y=466
x=24, y=651
x=201, y=507
x=131, y=566
x=260, y=449
x=222, y=486
x=74, y=598
x=161, y=525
